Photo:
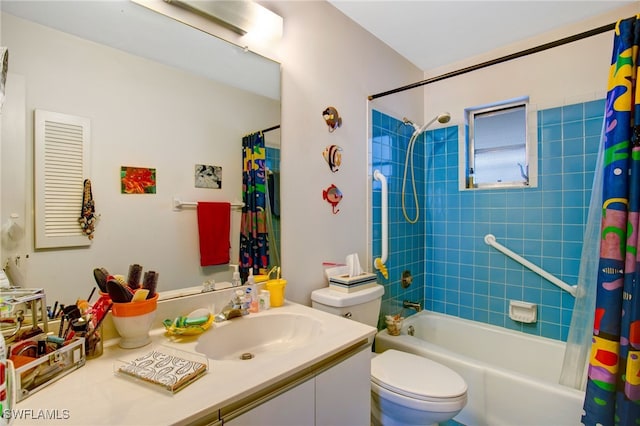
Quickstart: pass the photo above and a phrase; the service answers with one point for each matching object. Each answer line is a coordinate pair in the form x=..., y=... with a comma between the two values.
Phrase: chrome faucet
x=412, y=305
x=237, y=307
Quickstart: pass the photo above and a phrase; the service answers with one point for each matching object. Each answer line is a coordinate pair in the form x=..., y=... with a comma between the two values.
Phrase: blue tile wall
x=407, y=248
x=454, y=271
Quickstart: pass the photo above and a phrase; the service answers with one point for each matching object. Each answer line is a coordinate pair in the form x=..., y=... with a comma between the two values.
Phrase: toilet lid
x=415, y=376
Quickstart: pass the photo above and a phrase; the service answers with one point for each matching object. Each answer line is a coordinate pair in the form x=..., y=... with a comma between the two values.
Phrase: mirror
x=159, y=95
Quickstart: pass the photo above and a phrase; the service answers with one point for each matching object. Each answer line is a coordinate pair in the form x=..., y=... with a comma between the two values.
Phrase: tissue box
x=348, y=284
x=335, y=270
x=352, y=288
x=345, y=279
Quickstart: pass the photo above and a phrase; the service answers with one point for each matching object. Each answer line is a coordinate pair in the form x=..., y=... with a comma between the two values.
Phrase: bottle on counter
x=252, y=294
x=252, y=298
x=235, y=280
x=264, y=301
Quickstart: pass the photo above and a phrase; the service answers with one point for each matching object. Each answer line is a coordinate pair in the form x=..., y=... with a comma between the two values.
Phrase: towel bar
x=178, y=203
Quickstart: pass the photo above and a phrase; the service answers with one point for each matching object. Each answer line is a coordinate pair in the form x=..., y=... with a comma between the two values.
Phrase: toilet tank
x=362, y=305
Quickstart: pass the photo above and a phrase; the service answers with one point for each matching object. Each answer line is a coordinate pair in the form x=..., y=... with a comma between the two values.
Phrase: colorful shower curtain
x=613, y=382
x=254, y=244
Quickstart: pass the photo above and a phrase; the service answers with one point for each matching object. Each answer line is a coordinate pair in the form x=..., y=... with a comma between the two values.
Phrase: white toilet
x=406, y=389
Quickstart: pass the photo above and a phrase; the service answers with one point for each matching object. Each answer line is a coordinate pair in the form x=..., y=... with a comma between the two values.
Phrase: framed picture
x=137, y=180
x=208, y=176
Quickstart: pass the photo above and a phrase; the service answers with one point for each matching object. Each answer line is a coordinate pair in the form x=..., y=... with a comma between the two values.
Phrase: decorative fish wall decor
x=332, y=118
x=333, y=156
x=333, y=196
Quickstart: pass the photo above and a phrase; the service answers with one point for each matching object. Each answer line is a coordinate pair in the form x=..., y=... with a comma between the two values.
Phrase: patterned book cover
x=170, y=371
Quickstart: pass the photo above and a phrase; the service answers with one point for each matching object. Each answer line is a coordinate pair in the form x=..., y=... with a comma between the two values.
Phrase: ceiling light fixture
x=241, y=17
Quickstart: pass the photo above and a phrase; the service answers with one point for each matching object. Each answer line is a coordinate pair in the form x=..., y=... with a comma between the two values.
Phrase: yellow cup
x=276, y=291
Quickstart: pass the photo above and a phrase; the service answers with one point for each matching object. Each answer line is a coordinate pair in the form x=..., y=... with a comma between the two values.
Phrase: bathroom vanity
x=308, y=367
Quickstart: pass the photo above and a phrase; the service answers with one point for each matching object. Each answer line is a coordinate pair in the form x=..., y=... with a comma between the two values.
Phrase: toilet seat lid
x=416, y=377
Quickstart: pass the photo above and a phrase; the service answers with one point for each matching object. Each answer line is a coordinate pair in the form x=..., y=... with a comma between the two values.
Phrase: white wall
x=327, y=60
x=142, y=114
x=572, y=73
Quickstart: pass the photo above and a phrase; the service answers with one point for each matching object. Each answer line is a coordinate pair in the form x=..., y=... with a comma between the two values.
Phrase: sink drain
x=246, y=355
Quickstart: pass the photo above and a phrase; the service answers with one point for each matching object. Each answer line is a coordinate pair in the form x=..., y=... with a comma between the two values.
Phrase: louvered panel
x=61, y=167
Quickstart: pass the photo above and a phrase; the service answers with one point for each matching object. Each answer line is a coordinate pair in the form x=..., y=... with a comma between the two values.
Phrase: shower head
x=444, y=118
x=441, y=118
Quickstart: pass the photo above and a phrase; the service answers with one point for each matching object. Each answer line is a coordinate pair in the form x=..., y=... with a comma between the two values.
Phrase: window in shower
x=500, y=149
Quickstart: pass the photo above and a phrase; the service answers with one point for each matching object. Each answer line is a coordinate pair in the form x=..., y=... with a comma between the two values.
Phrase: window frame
x=467, y=160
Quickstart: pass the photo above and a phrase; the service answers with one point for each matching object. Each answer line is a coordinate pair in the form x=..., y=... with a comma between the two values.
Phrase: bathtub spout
x=412, y=305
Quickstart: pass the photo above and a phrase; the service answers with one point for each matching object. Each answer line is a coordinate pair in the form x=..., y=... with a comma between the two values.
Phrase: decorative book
x=172, y=372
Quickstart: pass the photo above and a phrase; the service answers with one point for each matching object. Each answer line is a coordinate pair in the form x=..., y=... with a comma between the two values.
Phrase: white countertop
x=94, y=395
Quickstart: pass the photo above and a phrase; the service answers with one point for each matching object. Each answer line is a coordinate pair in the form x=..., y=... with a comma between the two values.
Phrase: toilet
x=406, y=389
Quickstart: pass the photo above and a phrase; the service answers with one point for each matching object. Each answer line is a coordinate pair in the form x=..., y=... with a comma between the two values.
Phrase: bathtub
x=512, y=377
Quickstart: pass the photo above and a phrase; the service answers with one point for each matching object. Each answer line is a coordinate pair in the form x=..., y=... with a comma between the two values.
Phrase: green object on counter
x=186, y=325
x=186, y=321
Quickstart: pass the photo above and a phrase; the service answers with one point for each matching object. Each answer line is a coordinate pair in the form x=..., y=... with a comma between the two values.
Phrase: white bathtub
x=512, y=376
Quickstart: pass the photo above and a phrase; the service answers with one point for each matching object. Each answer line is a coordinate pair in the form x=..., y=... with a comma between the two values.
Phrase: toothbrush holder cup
x=133, y=321
x=276, y=291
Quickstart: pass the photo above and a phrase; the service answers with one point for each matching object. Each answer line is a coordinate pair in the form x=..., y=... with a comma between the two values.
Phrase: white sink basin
x=247, y=337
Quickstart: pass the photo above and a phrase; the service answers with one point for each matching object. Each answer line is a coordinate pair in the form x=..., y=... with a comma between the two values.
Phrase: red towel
x=214, y=223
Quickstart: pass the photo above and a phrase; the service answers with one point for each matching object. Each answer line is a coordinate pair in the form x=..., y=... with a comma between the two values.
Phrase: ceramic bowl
x=133, y=321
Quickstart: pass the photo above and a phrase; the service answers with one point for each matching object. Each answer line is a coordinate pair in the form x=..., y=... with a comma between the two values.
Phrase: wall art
x=207, y=176
x=333, y=196
x=137, y=180
x=332, y=118
x=333, y=156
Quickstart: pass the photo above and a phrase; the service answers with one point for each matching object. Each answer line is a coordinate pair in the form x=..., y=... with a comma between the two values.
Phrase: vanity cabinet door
x=295, y=407
x=343, y=393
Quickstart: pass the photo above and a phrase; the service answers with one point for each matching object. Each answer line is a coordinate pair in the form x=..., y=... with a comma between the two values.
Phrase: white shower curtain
x=576, y=356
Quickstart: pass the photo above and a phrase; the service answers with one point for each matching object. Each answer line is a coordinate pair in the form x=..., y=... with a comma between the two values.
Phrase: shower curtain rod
x=276, y=127
x=520, y=54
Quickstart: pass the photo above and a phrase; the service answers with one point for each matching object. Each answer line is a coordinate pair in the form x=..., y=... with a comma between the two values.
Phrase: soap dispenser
x=235, y=280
